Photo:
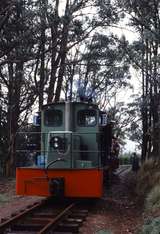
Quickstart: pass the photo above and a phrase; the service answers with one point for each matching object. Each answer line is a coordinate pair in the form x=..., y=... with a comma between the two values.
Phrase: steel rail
x=52, y=224
x=7, y=223
x=123, y=169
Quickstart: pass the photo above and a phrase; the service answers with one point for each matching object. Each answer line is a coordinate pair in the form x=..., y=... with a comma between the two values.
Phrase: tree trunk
x=42, y=62
x=60, y=79
x=54, y=60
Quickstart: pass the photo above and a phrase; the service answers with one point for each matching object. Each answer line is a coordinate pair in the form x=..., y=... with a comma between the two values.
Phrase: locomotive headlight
x=56, y=139
x=55, y=145
x=58, y=143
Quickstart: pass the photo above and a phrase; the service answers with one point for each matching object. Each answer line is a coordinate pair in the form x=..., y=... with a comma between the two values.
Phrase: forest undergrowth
x=148, y=190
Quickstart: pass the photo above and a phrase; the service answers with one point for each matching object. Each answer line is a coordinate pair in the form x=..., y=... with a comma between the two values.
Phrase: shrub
x=3, y=198
x=148, y=186
x=124, y=160
x=103, y=232
x=153, y=199
x=148, y=176
x=151, y=227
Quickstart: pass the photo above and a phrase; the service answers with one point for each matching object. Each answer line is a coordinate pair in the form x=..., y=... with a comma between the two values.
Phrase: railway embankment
x=148, y=191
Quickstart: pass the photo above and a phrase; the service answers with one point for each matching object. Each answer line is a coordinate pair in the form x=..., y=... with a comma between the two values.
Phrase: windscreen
x=86, y=118
x=53, y=118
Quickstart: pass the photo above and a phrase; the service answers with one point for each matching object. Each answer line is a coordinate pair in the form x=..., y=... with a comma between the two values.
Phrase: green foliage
x=108, y=11
x=134, y=128
x=148, y=176
x=144, y=56
x=36, y=54
x=125, y=158
x=152, y=202
x=4, y=198
x=123, y=115
x=151, y=226
x=104, y=232
x=148, y=186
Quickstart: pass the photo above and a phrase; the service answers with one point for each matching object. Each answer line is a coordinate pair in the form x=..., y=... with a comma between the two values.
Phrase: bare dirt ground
x=9, y=202
x=118, y=212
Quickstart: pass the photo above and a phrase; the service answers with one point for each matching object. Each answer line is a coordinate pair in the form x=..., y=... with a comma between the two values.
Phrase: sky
x=131, y=147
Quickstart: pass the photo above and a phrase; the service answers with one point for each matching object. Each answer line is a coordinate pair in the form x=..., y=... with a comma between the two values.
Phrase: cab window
x=86, y=118
x=53, y=118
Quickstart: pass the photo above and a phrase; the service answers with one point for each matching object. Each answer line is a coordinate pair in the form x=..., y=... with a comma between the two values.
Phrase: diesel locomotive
x=75, y=144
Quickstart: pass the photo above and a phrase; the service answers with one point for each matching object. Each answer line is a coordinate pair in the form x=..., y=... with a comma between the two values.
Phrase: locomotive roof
x=63, y=102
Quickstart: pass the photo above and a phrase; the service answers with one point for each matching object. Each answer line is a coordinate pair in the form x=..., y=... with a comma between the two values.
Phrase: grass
x=148, y=177
x=148, y=187
x=152, y=202
x=4, y=198
x=151, y=227
x=103, y=232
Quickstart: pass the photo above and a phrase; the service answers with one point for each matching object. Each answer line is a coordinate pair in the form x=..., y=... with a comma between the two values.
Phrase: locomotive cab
x=73, y=148
x=71, y=135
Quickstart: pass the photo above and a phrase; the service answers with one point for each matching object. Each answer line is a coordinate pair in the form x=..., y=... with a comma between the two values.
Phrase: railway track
x=123, y=169
x=46, y=218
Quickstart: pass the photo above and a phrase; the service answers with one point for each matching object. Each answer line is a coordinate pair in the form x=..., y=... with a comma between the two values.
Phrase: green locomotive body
x=75, y=147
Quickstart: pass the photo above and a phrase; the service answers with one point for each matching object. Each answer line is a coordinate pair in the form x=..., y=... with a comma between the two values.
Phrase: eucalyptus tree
x=35, y=39
x=99, y=60
x=60, y=27
x=41, y=44
x=67, y=30
x=124, y=117
x=144, y=16
x=5, y=10
x=16, y=54
x=99, y=72
x=101, y=68
x=106, y=68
